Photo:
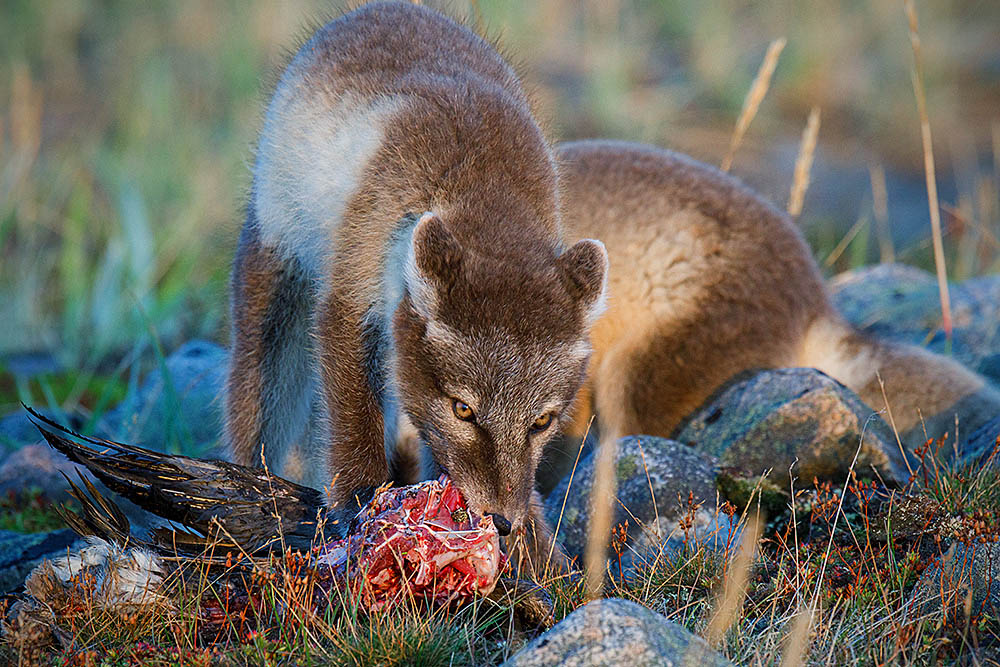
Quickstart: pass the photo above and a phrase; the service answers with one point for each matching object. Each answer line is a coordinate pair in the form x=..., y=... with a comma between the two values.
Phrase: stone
x=38, y=466
x=616, y=632
x=31, y=364
x=774, y=419
x=981, y=445
x=180, y=412
x=20, y=553
x=902, y=303
x=656, y=478
x=945, y=585
x=17, y=430
x=42, y=467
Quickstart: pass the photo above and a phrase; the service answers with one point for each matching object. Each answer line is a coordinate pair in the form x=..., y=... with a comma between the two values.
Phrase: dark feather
x=101, y=518
x=243, y=507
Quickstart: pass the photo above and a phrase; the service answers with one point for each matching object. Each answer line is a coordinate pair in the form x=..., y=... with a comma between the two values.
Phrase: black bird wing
x=216, y=501
x=99, y=516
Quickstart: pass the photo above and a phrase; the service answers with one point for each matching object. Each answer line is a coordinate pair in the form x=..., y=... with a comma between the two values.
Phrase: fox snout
x=506, y=520
x=503, y=526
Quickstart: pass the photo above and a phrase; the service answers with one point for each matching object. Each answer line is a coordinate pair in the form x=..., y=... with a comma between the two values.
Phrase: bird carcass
x=417, y=542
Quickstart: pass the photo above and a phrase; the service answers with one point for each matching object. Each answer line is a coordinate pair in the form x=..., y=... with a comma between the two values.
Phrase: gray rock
x=559, y=457
x=902, y=303
x=769, y=420
x=675, y=473
x=40, y=466
x=30, y=364
x=613, y=632
x=37, y=466
x=17, y=430
x=980, y=446
x=20, y=553
x=963, y=569
x=179, y=412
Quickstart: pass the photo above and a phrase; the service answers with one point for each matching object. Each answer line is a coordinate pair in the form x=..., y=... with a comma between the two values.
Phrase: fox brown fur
x=708, y=280
x=402, y=261
x=417, y=265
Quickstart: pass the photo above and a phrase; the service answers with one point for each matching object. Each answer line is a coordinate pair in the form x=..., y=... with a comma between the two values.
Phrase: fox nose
x=502, y=524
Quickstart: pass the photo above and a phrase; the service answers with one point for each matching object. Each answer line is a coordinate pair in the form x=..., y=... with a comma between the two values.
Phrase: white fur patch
x=121, y=576
x=422, y=293
x=823, y=349
x=579, y=350
x=600, y=304
x=310, y=161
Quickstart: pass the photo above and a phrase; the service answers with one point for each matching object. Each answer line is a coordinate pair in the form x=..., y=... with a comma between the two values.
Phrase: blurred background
x=126, y=133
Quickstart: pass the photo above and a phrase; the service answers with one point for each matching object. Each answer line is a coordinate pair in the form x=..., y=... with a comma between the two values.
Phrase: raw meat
x=417, y=541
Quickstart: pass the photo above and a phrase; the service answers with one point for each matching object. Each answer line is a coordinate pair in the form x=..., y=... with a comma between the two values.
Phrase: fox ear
x=584, y=267
x=433, y=263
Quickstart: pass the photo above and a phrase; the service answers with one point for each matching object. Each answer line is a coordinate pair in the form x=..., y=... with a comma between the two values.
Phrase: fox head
x=495, y=354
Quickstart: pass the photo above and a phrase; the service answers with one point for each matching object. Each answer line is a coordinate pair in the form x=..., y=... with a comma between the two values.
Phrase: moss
x=740, y=490
x=29, y=512
x=627, y=467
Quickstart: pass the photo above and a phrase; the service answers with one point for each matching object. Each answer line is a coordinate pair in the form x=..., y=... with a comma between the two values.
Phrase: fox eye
x=542, y=422
x=463, y=411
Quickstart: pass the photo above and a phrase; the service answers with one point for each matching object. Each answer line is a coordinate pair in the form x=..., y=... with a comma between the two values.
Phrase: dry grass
x=917, y=76
x=602, y=502
x=756, y=95
x=880, y=204
x=827, y=582
x=830, y=581
x=803, y=164
x=734, y=589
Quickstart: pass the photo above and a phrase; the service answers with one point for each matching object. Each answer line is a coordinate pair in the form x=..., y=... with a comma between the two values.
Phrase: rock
x=979, y=447
x=17, y=430
x=183, y=415
x=31, y=364
x=558, y=459
x=674, y=472
x=37, y=466
x=611, y=632
x=963, y=569
x=40, y=466
x=19, y=553
x=769, y=420
x=902, y=303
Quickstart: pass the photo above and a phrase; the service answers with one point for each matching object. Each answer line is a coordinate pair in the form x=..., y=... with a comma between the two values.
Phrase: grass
x=29, y=512
x=837, y=569
x=125, y=134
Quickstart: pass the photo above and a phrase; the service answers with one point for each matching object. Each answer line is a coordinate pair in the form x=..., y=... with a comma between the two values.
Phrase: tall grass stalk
x=916, y=75
x=880, y=206
x=602, y=501
x=756, y=94
x=803, y=164
x=730, y=601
